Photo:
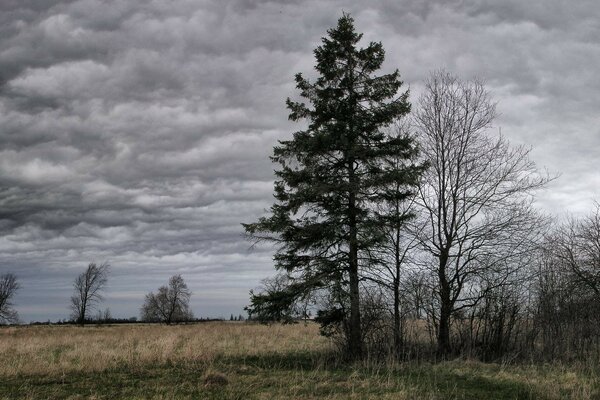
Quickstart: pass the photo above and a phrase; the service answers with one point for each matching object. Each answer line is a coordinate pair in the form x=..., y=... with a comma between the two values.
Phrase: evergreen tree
x=331, y=175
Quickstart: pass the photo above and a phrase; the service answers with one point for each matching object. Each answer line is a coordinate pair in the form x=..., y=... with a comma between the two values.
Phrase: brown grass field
x=223, y=360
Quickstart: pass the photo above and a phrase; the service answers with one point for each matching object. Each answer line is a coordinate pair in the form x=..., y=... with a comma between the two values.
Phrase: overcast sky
x=138, y=131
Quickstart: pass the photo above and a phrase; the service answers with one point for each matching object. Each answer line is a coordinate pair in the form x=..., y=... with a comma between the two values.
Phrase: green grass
x=291, y=376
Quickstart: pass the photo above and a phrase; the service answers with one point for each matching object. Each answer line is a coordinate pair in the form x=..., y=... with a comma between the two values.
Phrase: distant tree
x=8, y=288
x=331, y=175
x=88, y=287
x=104, y=315
x=170, y=304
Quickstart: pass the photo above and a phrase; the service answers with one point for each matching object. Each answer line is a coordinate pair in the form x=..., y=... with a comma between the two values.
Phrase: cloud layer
x=139, y=132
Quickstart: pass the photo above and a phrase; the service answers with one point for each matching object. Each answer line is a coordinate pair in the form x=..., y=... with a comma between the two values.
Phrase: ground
x=228, y=360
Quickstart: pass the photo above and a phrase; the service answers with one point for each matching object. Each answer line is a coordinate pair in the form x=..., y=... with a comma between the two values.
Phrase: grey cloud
x=548, y=15
x=139, y=133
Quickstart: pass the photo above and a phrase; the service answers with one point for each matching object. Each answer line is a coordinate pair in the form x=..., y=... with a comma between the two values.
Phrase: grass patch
x=239, y=361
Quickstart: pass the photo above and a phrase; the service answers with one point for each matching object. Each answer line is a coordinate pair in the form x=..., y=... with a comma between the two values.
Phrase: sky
x=138, y=132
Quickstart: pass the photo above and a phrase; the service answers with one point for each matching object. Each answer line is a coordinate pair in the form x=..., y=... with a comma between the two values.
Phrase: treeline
x=169, y=305
x=412, y=231
x=117, y=321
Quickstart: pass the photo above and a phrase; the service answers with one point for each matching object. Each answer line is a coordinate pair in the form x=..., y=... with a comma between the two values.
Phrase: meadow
x=228, y=360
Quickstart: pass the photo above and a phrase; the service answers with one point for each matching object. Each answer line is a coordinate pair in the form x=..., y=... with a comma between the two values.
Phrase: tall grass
x=247, y=361
x=54, y=350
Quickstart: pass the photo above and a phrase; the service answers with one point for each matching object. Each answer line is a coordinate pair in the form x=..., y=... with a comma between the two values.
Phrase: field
x=224, y=360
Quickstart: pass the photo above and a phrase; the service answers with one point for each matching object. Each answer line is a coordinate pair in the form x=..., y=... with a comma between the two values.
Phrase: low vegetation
x=233, y=360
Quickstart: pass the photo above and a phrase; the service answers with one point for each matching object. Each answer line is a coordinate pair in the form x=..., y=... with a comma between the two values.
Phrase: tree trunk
x=355, y=335
x=355, y=339
x=82, y=316
x=444, y=347
x=397, y=320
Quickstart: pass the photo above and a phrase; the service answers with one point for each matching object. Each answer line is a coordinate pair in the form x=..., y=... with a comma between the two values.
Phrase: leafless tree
x=387, y=262
x=394, y=258
x=103, y=316
x=476, y=196
x=170, y=304
x=400, y=244
x=8, y=288
x=577, y=245
x=552, y=291
x=567, y=318
x=88, y=287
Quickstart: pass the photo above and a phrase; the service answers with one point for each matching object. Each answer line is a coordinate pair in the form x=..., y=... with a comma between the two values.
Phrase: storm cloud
x=138, y=132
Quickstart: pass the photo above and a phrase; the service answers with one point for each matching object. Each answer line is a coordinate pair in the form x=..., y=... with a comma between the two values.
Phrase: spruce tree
x=330, y=177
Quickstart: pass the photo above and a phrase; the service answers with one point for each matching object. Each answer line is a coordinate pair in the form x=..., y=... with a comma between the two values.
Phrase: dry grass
x=246, y=361
x=56, y=350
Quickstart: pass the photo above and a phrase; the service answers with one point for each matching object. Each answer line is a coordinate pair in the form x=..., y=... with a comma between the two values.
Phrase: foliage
x=332, y=173
x=281, y=299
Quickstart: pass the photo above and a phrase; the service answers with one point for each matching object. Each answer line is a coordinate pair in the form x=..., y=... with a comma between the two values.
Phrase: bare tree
x=476, y=196
x=88, y=287
x=577, y=245
x=8, y=288
x=103, y=316
x=170, y=303
x=398, y=211
x=567, y=316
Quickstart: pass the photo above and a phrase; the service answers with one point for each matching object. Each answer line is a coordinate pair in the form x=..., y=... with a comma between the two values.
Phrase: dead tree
x=476, y=195
x=170, y=303
x=568, y=292
x=577, y=245
x=8, y=288
x=88, y=287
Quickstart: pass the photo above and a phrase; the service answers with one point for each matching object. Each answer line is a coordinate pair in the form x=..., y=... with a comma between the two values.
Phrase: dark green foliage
x=331, y=321
x=277, y=305
x=332, y=174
